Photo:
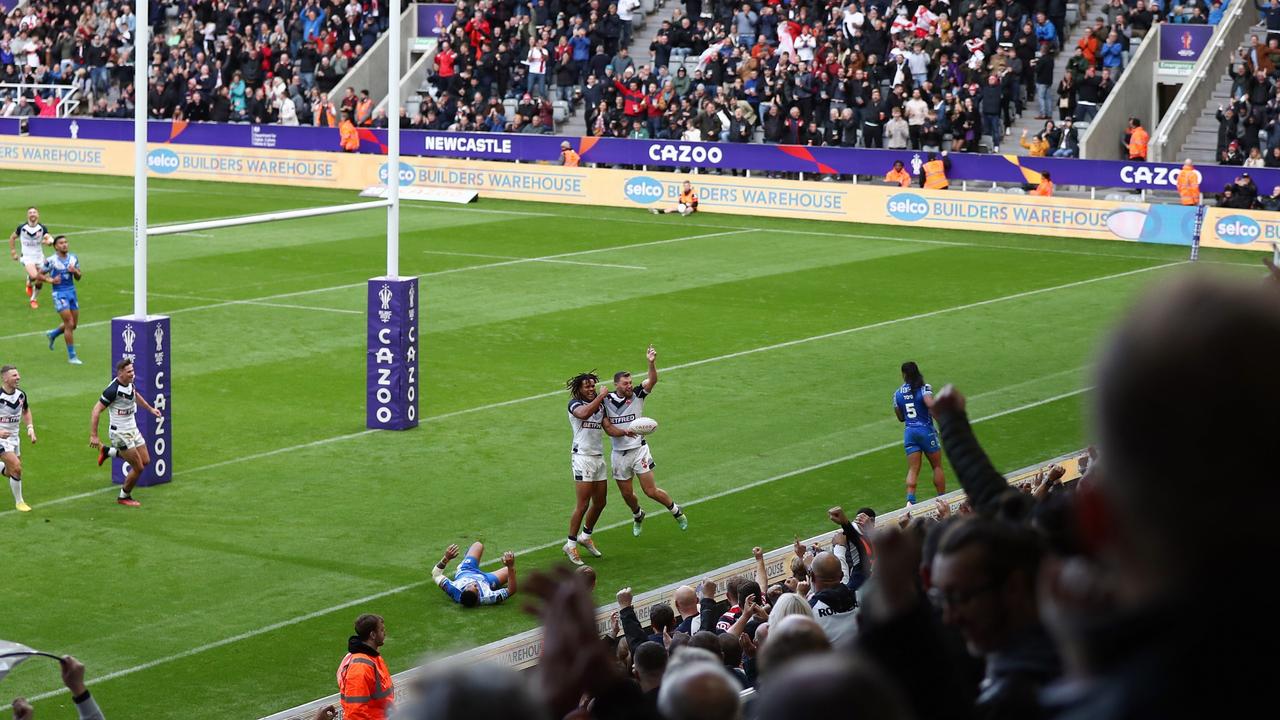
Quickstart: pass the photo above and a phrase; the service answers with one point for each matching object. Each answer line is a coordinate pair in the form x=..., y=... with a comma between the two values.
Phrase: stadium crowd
x=211, y=60
x=1094, y=599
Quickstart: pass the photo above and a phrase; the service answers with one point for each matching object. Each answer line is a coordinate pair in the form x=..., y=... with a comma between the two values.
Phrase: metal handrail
x=67, y=100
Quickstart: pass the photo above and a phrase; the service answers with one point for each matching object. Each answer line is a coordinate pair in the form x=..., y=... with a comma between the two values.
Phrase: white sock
x=35, y=291
x=16, y=487
x=639, y=514
x=123, y=494
x=112, y=452
x=675, y=509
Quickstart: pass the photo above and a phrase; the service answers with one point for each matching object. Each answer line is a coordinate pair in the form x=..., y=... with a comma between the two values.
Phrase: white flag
x=11, y=654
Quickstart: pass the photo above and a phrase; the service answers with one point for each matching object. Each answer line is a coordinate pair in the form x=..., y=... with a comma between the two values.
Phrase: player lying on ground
x=586, y=415
x=631, y=457
x=123, y=438
x=14, y=410
x=470, y=585
x=26, y=245
x=62, y=270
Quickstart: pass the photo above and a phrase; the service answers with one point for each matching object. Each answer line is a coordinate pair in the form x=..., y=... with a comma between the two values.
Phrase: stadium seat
x=1016, y=191
x=559, y=111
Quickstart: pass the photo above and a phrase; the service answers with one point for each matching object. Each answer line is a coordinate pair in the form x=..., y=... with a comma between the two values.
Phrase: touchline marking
x=516, y=257
x=612, y=526
x=298, y=293
x=553, y=393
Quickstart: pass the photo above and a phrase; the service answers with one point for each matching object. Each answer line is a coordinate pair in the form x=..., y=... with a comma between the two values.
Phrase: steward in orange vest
x=568, y=157
x=898, y=175
x=933, y=174
x=1189, y=184
x=350, y=137
x=1045, y=188
x=365, y=688
x=1138, y=139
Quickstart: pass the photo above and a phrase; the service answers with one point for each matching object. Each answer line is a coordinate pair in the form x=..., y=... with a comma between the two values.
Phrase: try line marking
x=612, y=526
x=680, y=366
x=467, y=268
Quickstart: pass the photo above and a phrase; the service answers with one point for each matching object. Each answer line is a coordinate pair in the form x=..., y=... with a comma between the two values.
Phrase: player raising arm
x=14, y=410
x=26, y=245
x=470, y=585
x=586, y=416
x=123, y=438
x=62, y=270
x=919, y=437
x=631, y=457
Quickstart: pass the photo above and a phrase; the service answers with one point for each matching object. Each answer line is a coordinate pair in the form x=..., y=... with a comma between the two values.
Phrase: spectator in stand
x=832, y=600
x=1271, y=202
x=1038, y=147
x=897, y=134
x=1232, y=155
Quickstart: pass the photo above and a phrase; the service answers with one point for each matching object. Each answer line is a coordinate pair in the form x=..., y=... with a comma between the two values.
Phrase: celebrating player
x=687, y=205
x=33, y=236
x=123, y=438
x=14, y=410
x=587, y=459
x=919, y=436
x=62, y=270
x=470, y=585
x=631, y=458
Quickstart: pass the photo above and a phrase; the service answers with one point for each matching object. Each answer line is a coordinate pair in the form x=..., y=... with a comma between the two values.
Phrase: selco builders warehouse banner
x=991, y=212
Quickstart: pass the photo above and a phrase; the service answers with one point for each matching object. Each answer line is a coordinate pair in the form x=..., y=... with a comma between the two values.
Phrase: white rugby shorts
x=12, y=444
x=33, y=258
x=588, y=468
x=125, y=438
x=630, y=463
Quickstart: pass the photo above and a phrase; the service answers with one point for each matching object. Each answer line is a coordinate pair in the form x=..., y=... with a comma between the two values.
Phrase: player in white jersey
x=586, y=418
x=26, y=245
x=14, y=411
x=121, y=402
x=631, y=457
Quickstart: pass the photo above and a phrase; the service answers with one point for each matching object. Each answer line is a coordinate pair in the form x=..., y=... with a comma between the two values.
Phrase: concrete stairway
x=1201, y=144
x=1027, y=121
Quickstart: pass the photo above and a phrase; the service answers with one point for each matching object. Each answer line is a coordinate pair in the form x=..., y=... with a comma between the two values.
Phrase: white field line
x=681, y=366
x=248, y=302
x=517, y=257
x=468, y=268
x=420, y=583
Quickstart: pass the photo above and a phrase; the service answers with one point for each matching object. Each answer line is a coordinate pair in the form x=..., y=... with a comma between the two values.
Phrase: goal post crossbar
x=265, y=217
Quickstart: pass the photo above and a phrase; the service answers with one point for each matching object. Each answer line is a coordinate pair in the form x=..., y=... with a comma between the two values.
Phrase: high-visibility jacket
x=935, y=175
x=569, y=157
x=1044, y=189
x=689, y=198
x=1138, y=144
x=365, y=688
x=364, y=111
x=350, y=136
x=902, y=177
x=1189, y=186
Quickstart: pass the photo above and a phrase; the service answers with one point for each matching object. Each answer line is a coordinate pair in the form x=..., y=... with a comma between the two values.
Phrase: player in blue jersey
x=61, y=270
x=470, y=585
x=919, y=437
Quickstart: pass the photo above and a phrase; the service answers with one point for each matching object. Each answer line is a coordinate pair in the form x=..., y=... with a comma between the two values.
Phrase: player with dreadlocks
x=586, y=414
x=919, y=437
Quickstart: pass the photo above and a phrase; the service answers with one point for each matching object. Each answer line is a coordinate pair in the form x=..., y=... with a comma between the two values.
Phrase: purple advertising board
x=655, y=153
x=433, y=18
x=148, y=343
x=1183, y=43
x=392, y=365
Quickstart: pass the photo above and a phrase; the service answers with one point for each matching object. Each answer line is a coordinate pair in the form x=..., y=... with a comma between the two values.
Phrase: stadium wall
x=1134, y=95
x=842, y=202
x=522, y=651
x=813, y=162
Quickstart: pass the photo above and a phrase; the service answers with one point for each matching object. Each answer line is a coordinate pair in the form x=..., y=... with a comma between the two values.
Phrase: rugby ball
x=643, y=426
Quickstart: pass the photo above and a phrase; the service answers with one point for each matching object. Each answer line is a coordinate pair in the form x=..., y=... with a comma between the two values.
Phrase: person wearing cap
x=1189, y=184
x=1232, y=155
x=568, y=157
